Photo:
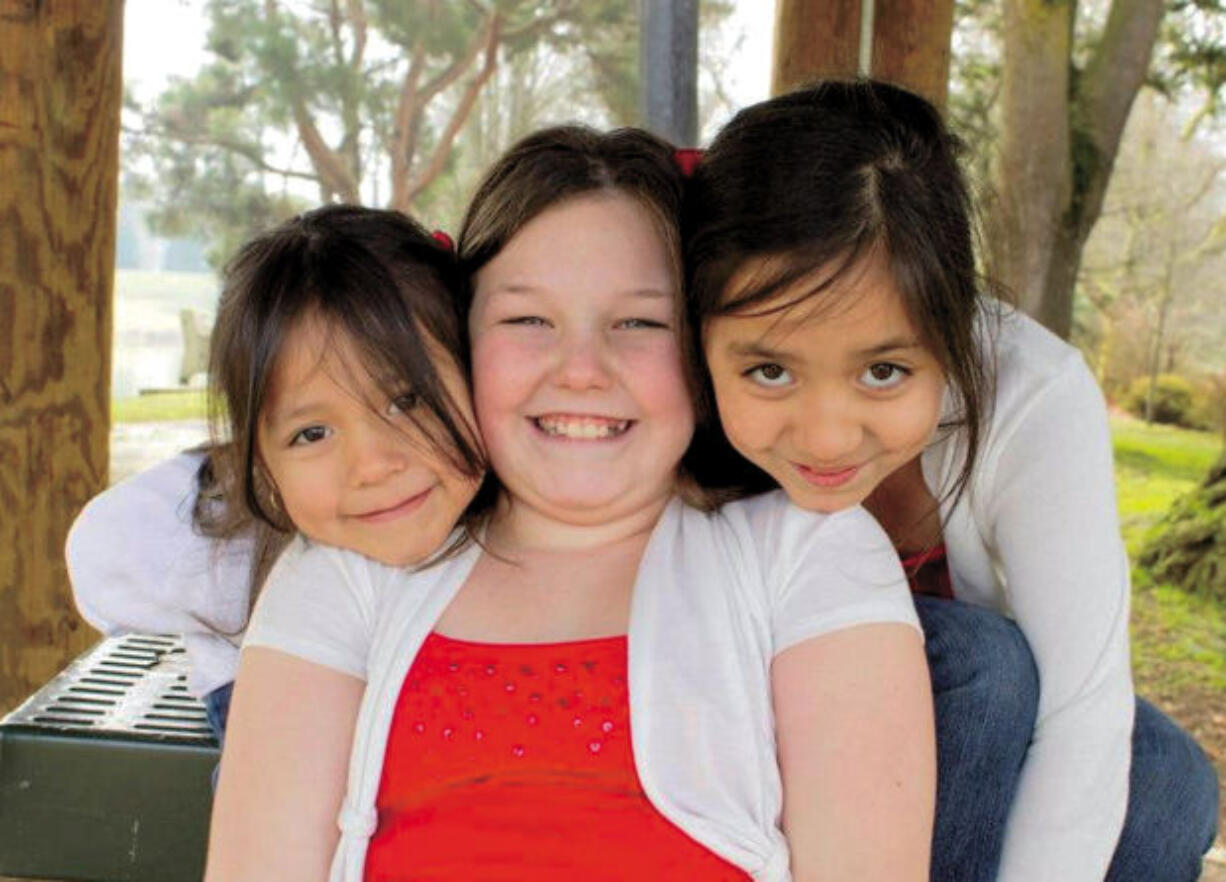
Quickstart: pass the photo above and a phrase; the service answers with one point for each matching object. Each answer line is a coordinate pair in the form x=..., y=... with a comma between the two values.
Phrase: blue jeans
x=985, y=691
x=217, y=708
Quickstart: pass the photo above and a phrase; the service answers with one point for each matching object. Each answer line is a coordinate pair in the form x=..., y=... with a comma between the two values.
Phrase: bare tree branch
x=361, y=25
x=406, y=123
x=1107, y=88
x=438, y=158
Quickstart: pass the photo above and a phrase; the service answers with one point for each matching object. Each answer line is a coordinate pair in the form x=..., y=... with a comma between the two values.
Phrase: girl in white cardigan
x=612, y=683
x=854, y=361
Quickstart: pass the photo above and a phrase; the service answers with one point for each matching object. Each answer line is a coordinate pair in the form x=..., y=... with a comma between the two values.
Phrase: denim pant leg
x=1172, y=804
x=986, y=691
x=217, y=708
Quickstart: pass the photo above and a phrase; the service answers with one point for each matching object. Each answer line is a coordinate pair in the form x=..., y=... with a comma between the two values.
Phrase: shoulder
x=778, y=541
x=167, y=488
x=1031, y=362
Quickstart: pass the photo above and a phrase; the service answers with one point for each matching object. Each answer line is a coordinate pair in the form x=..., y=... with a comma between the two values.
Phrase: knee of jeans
x=984, y=656
x=1174, y=784
x=1012, y=680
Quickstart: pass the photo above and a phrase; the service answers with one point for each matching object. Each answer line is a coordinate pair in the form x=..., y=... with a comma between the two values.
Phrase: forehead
x=601, y=241
x=842, y=302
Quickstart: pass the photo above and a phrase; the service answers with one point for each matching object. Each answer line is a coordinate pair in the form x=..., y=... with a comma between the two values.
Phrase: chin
x=824, y=503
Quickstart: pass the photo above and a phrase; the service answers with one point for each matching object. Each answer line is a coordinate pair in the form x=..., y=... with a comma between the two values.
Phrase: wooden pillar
x=60, y=92
x=813, y=41
x=909, y=43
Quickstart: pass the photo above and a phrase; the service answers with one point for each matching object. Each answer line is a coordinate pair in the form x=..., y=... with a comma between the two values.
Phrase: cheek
x=748, y=423
x=303, y=492
x=504, y=377
x=908, y=427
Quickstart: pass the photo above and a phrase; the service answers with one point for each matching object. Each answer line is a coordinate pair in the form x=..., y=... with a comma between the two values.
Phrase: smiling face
x=352, y=468
x=577, y=368
x=829, y=396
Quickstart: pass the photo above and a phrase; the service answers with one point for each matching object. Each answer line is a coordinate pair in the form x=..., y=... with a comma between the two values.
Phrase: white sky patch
x=165, y=38
x=161, y=39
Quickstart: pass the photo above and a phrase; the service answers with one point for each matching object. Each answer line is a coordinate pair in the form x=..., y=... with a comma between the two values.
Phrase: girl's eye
x=531, y=321
x=771, y=375
x=635, y=323
x=884, y=375
x=309, y=435
x=403, y=403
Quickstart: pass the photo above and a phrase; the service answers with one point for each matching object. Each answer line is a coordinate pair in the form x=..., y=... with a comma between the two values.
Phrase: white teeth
x=583, y=428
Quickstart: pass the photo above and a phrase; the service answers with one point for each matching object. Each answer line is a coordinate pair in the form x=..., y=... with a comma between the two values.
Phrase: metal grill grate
x=105, y=771
x=135, y=685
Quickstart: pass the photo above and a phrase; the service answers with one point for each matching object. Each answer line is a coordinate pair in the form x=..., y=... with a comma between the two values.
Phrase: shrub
x=1175, y=401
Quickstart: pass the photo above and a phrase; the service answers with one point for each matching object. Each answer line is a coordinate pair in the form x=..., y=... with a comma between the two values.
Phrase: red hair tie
x=687, y=159
x=444, y=240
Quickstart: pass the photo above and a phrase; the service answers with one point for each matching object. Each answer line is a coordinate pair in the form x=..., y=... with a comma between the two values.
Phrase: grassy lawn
x=160, y=407
x=1178, y=639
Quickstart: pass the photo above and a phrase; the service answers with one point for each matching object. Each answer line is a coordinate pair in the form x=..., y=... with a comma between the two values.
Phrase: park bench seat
x=105, y=772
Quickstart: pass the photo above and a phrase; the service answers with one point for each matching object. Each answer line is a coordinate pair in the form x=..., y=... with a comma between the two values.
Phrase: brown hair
x=824, y=176
x=557, y=164
x=374, y=275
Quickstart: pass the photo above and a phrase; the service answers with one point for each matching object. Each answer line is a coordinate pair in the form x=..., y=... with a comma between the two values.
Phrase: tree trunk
x=60, y=89
x=1190, y=549
x=1058, y=145
x=815, y=39
x=1035, y=169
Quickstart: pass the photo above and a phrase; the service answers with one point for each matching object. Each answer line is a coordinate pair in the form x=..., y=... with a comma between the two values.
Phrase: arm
x=852, y=698
x=137, y=564
x=283, y=771
x=853, y=716
x=301, y=680
x=1050, y=513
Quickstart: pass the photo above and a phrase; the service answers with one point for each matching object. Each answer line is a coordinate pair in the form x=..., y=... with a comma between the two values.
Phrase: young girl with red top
x=854, y=360
x=611, y=683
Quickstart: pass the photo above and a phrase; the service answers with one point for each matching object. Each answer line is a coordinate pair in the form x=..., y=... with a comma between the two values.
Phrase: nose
x=827, y=428
x=583, y=362
x=376, y=451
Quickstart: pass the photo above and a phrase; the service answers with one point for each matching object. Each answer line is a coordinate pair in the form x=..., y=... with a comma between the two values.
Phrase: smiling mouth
x=581, y=428
x=399, y=510
x=827, y=477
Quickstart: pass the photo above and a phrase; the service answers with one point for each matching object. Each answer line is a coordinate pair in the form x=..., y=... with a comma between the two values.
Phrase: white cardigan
x=1037, y=538
x=717, y=597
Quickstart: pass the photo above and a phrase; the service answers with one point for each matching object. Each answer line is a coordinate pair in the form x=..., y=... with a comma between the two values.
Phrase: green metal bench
x=105, y=772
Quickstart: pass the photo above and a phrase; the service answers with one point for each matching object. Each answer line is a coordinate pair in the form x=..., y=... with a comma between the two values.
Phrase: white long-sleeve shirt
x=137, y=565
x=1037, y=538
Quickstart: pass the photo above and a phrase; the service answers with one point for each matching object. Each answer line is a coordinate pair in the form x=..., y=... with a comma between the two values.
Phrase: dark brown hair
x=375, y=276
x=557, y=164
x=823, y=177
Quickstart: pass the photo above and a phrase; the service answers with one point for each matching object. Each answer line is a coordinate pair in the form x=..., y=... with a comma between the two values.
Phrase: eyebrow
x=281, y=416
x=758, y=349
x=523, y=289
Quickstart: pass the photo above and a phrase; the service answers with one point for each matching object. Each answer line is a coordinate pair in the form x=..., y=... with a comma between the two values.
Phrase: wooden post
x=813, y=41
x=60, y=91
x=909, y=43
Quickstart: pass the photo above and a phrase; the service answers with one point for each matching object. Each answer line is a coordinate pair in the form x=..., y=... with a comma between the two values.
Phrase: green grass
x=1179, y=640
x=1154, y=466
x=160, y=407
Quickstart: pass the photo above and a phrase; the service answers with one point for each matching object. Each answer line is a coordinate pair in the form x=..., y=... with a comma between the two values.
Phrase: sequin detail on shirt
x=514, y=761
